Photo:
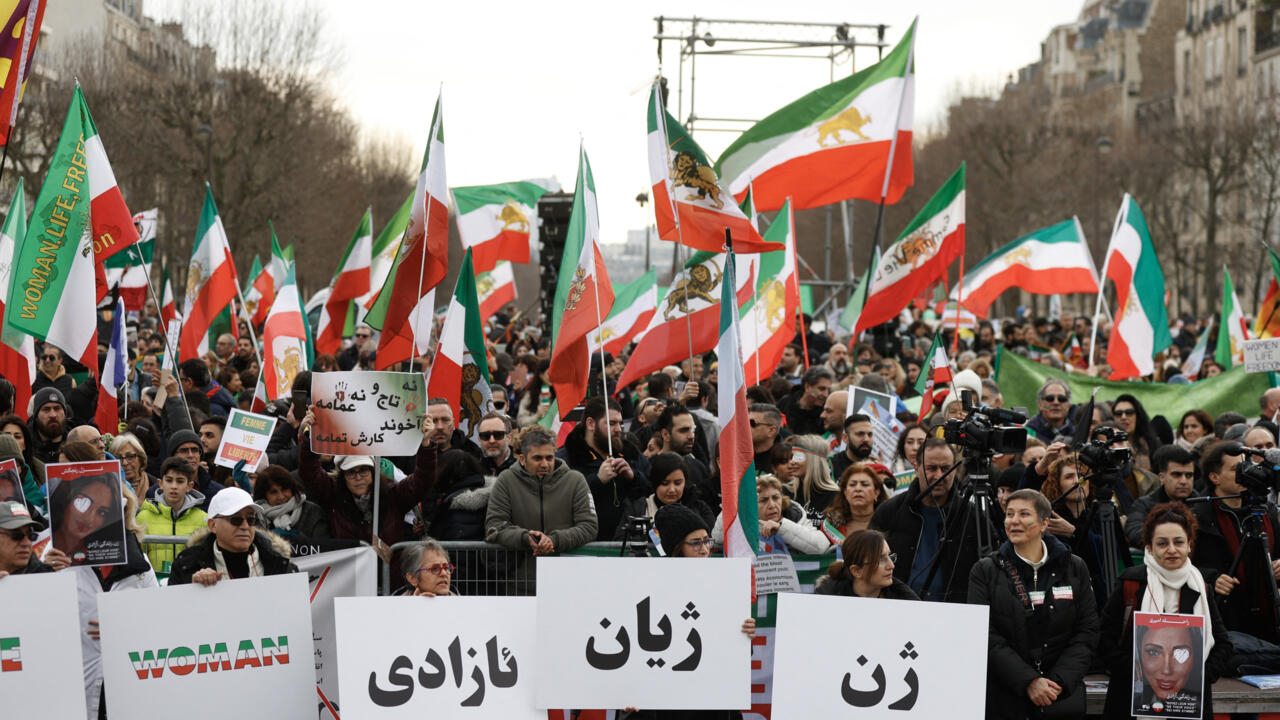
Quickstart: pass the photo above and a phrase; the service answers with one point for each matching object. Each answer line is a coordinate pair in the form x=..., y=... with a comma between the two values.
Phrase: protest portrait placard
x=239, y=649
x=666, y=636
x=10, y=483
x=1168, y=666
x=858, y=397
x=368, y=413
x=1262, y=355
x=245, y=437
x=86, y=511
x=897, y=659
x=351, y=572
x=412, y=657
x=40, y=661
x=885, y=429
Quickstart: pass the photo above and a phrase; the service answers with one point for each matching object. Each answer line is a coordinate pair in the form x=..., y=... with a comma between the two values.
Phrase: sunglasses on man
x=492, y=435
x=20, y=535
x=238, y=520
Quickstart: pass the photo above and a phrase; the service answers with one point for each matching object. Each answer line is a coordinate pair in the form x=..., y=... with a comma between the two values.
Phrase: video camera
x=1259, y=477
x=1104, y=460
x=985, y=429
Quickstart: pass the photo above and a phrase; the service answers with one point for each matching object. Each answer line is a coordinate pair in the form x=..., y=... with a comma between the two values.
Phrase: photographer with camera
x=1236, y=512
x=916, y=522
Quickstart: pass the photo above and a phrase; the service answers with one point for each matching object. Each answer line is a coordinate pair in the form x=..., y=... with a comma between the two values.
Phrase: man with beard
x=857, y=445
x=612, y=478
x=495, y=443
x=48, y=424
x=765, y=422
x=677, y=433
x=244, y=354
x=790, y=367
x=211, y=437
x=838, y=361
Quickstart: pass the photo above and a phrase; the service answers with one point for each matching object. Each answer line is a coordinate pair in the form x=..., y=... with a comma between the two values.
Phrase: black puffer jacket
x=457, y=512
x=1054, y=640
x=843, y=586
x=1116, y=648
x=199, y=556
x=902, y=521
x=609, y=497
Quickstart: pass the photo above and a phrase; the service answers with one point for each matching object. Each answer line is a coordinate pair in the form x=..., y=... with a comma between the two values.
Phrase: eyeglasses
x=49, y=358
x=1056, y=398
x=128, y=457
x=20, y=535
x=757, y=423
x=492, y=434
x=1125, y=412
x=362, y=471
x=698, y=544
x=439, y=568
x=238, y=520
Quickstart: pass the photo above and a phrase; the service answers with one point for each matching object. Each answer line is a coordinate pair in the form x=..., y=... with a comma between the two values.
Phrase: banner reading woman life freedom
x=86, y=511
x=368, y=413
x=1168, y=666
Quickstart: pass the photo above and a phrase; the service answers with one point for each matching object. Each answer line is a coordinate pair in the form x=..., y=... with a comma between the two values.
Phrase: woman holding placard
x=1167, y=658
x=1043, y=621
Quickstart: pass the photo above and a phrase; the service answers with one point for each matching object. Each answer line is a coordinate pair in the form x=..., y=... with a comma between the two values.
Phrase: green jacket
x=559, y=506
x=157, y=518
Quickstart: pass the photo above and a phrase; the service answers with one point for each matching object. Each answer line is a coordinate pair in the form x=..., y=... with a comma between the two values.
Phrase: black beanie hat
x=1012, y=477
x=674, y=522
x=180, y=438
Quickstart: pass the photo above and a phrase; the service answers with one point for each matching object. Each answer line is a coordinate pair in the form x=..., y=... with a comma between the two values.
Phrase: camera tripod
x=1254, y=543
x=977, y=498
x=1100, y=517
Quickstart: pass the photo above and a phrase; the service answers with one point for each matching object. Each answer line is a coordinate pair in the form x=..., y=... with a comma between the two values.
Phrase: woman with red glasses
x=427, y=570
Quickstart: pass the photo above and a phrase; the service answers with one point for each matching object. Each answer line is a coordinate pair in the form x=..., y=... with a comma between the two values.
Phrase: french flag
x=114, y=373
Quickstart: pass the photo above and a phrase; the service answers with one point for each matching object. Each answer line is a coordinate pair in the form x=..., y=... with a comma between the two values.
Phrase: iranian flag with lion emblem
x=768, y=320
x=920, y=256
x=498, y=222
x=284, y=340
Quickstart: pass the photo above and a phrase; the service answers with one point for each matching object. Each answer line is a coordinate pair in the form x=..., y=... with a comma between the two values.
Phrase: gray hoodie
x=559, y=506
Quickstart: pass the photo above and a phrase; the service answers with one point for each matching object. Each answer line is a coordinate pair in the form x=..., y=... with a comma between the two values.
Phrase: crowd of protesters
x=645, y=456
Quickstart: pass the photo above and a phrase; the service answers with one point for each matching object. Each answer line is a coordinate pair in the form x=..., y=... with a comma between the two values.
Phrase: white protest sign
x=412, y=657
x=1262, y=355
x=776, y=573
x=245, y=437
x=899, y=659
x=173, y=338
x=241, y=648
x=339, y=573
x=666, y=636
x=368, y=413
x=858, y=397
x=40, y=661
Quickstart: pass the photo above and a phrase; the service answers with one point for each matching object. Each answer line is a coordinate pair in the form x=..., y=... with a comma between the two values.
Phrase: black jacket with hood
x=609, y=497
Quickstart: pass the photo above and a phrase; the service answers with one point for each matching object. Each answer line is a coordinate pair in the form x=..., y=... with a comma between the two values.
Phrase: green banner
x=1236, y=390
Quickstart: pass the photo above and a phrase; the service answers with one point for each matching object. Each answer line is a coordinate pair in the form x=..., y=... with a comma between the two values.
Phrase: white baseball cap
x=229, y=501
x=351, y=462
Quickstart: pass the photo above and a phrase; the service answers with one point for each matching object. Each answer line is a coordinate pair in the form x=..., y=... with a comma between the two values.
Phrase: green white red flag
x=113, y=228
x=1232, y=330
x=584, y=296
x=495, y=289
x=211, y=281
x=128, y=272
x=18, y=351
x=284, y=340
x=168, y=306
x=52, y=291
x=768, y=319
x=460, y=370
x=386, y=247
x=734, y=448
x=1048, y=261
x=634, y=304
x=403, y=310
x=260, y=282
x=350, y=281
x=920, y=256
x=498, y=222
x=691, y=206
x=939, y=374
x=1141, y=326
x=269, y=279
x=1191, y=366
x=836, y=143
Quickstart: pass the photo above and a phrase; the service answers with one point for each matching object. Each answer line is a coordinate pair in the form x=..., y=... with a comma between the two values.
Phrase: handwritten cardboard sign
x=368, y=413
x=245, y=437
x=897, y=660
x=229, y=664
x=412, y=657
x=666, y=636
x=40, y=660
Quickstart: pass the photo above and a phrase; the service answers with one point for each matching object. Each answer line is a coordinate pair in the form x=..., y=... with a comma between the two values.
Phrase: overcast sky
x=524, y=80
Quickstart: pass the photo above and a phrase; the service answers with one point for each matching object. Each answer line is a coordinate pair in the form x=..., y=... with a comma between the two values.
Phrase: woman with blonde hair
x=798, y=537
x=812, y=484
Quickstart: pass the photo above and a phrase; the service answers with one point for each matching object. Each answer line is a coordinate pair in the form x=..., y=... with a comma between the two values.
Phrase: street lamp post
x=1102, y=147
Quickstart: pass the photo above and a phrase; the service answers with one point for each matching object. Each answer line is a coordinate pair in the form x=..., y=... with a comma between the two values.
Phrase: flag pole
x=756, y=269
x=164, y=330
x=955, y=341
x=893, y=141
x=661, y=114
x=422, y=261
x=604, y=380
x=1102, y=279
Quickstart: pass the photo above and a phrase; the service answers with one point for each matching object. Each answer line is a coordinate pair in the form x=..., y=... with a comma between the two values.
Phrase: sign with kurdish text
x=412, y=657
x=901, y=659
x=368, y=413
x=252, y=663
x=1262, y=355
x=339, y=573
x=245, y=437
x=40, y=661
x=667, y=635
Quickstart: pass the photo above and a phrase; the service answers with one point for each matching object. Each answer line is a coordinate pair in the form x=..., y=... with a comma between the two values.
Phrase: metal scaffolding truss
x=836, y=43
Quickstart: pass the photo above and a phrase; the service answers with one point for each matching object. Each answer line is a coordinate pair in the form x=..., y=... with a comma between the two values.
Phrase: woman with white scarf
x=1166, y=582
x=283, y=507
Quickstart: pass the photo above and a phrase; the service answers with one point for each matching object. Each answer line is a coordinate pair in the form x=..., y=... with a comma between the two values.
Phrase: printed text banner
x=40, y=661
x=667, y=635
x=412, y=657
x=352, y=572
x=368, y=413
x=899, y=659
x=249, y=664
x=245, y=438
